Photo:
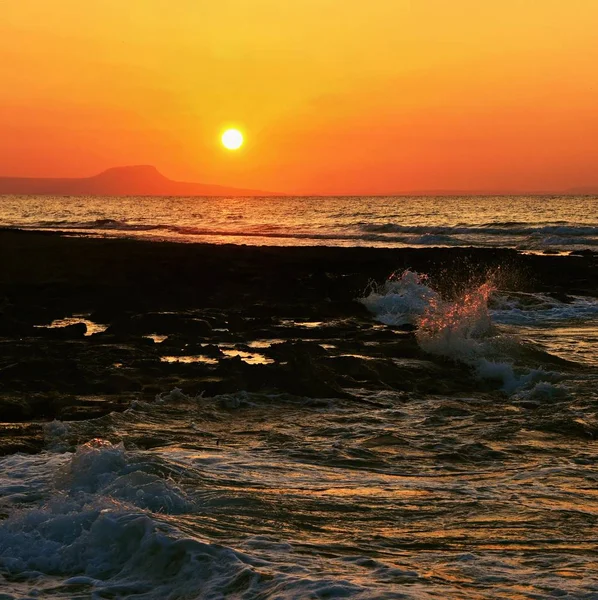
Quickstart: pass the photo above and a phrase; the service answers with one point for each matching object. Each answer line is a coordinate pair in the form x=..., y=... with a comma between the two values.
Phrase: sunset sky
x=333, y=96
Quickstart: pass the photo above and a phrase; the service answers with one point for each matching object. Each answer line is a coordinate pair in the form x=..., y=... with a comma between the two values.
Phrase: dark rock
x=15, y=409
x=10, y=327
x=211, y=351
x=162, y=323
x=142, y=288
x=291, y=350
x=150, y=391
x=21, y=437
x=75, y=331
x=117, y=382
x=561, y=297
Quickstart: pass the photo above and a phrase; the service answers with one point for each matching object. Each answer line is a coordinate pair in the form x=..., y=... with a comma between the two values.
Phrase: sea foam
x=91, y=531
x=401, y=300
x=460, y=329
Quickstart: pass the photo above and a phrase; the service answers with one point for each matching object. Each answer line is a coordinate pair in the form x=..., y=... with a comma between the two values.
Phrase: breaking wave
x=504, y=234
x=401, y=299
x=418, y=235
x=540, y=309
x=494, y=228
x=102, y=528
x=460, y=329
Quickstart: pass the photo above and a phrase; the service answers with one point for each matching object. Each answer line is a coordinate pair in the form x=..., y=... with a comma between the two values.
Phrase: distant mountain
x=145, y=180
x=142, y=180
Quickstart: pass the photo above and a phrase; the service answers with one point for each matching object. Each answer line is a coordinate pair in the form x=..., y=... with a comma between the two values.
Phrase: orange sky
x=334, y=96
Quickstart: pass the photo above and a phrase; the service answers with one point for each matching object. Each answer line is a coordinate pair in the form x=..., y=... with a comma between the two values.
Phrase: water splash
x=401, y=299
x=459, y=328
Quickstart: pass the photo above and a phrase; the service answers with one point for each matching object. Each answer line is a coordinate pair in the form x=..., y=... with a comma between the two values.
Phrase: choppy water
x=483, y=494
x=529, y=223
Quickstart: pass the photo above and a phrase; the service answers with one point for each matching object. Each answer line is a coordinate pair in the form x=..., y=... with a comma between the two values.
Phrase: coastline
x=204, y=298
x=195, y=272
x=241, y=404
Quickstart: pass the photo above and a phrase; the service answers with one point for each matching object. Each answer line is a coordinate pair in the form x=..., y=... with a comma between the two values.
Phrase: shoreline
x=191, y=240
x=37, y=258
x=219, y=319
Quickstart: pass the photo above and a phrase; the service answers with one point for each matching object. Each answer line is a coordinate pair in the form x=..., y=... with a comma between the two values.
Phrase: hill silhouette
x=140, y=180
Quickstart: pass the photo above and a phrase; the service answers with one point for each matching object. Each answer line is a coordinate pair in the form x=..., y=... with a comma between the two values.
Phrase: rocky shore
x=88, y=326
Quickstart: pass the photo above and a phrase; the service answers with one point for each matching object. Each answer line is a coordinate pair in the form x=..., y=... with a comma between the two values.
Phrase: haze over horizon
x=332, y=97
x=128, y=180
x=148, y=180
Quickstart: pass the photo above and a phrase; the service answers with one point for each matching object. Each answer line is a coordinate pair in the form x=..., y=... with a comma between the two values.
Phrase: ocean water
x=489, y=492
x=528, y=223
x=483, y=486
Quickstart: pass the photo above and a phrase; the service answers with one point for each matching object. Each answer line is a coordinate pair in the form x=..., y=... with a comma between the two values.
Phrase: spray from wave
x=401, y=299
x=456, y=329
x=460, y=329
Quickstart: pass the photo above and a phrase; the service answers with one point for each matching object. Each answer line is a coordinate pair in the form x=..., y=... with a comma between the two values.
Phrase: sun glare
x=232, y=139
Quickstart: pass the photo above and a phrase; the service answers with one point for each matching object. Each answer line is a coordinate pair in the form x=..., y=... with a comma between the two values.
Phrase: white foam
x=401, y=299
x=108, y=470
x=175, y=395
x=513, y=380
x=543, y=391
x=539, y=309
x=89, y=526
x=462, y=329
x=458, y=329
x=92, y=534
x=55, y=434
x=117, y=553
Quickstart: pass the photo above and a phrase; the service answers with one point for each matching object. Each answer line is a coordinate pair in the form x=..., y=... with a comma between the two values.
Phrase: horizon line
x=580, y=190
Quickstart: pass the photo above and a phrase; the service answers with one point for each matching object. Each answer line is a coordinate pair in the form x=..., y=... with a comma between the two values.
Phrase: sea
x=533, y=223
x=481, y=492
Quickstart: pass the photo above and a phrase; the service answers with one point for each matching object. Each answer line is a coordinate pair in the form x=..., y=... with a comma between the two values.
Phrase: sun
x=232, y=139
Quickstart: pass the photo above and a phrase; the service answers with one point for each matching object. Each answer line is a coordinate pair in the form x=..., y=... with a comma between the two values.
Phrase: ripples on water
x=489, y=494
x=530, y=223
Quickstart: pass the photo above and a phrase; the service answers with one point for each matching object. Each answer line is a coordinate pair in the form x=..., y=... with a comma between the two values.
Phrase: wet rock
x=211, y=351
x=408, y=327
x=76, y=331
x=108, y=337
x=118, y=382
x=150, y=391
x=13, y=409
x=22, y=437
x=174, y=341
x=561, y=297
x=304, y=375
x=405, y=346
x=162, y=323
x=341, y=309
x=261, y=293
x=10, y=327
x=291, y=350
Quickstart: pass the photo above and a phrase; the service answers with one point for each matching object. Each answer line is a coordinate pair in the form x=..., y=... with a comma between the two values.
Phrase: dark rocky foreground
x=233, y=318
